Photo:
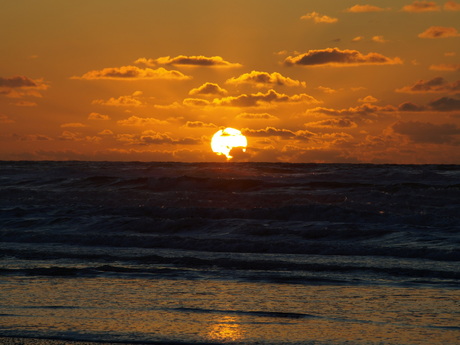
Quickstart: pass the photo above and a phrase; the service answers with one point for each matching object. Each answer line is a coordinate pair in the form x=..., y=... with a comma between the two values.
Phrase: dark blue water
x=336, y=227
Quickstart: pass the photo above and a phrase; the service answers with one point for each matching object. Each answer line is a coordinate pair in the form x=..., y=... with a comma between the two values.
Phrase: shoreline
x=5, y=340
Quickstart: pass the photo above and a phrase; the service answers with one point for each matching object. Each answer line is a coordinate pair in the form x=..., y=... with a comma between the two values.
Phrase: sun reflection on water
x=226, y=329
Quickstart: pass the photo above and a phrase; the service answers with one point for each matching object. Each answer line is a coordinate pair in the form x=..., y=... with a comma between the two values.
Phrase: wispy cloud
x=337, y=57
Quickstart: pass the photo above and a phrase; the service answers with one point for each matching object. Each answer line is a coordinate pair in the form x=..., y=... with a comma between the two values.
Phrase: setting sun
x=223, y=141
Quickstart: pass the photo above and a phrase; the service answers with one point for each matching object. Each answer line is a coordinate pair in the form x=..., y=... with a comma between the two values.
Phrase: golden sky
x=304, y=80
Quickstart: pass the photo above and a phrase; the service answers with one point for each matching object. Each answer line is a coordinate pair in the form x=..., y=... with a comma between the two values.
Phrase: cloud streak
x=336, y=57
x=133, y=73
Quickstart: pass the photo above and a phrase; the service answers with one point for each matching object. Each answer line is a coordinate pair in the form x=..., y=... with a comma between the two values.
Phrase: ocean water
x=230, y=253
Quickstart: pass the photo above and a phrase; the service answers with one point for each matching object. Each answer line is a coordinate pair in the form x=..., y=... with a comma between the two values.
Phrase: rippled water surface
x=230, y=253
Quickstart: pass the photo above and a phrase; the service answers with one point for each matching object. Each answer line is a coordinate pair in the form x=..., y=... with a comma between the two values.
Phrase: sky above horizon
x=304, y=81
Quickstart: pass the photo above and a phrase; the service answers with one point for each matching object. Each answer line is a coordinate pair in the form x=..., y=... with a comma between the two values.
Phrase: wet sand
x=36, y=341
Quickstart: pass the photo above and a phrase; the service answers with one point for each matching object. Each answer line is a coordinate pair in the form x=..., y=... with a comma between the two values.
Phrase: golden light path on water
x=224, y=140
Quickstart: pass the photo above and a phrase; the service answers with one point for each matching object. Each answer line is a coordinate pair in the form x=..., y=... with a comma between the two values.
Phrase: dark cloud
x=182, y=60
x=265, y=79
x=409, y=106
x=337, y=57
x=445, y=104
x=425, y=132
x=19, y=86
x=434, y=85
x=18, y=81
x=208, y=89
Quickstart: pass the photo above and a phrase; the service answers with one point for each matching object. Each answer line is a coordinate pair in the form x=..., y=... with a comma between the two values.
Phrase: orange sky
x=305, y=81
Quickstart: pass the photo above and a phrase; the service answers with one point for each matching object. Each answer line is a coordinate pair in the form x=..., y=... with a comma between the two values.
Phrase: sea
x=230, y=253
